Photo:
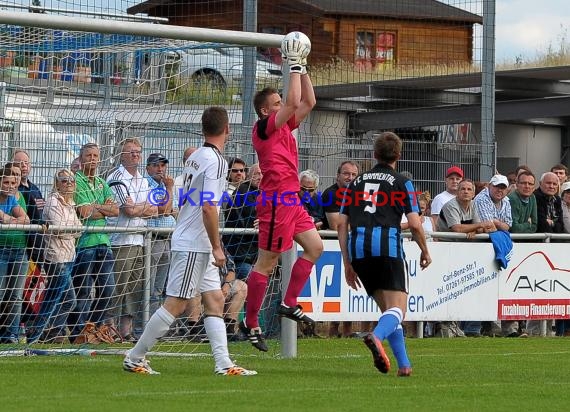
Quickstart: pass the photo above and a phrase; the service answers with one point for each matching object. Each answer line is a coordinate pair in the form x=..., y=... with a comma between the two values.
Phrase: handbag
x=34, y=288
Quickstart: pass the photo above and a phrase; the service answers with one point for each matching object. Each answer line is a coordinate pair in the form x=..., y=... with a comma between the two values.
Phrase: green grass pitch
x=477, y=374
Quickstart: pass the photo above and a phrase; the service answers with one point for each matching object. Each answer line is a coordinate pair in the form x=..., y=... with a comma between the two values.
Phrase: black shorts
x=382, y=272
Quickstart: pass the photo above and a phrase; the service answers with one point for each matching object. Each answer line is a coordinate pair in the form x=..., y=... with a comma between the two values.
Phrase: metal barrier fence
x=288, y=327
x=55, y=144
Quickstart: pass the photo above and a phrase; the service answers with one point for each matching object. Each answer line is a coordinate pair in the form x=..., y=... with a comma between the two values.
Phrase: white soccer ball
x=298, y=36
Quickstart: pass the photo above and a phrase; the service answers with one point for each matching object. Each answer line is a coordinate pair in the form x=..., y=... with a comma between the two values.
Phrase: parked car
x=221, y=67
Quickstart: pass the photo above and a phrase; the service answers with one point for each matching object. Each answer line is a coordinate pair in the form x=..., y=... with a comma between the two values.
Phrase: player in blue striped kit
x=372, y=250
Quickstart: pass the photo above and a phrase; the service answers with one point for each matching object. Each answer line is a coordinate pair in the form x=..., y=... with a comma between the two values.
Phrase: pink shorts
x=279, y=223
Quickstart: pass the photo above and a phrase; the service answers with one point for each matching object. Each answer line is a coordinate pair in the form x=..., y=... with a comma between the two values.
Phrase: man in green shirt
x=524, y=214
x=94, y=261
x=523, y=204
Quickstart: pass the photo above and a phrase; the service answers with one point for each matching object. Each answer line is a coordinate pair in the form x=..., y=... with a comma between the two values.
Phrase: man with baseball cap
x=161, y=186
x=155, y=158
x=453, y=176
x=492, y=205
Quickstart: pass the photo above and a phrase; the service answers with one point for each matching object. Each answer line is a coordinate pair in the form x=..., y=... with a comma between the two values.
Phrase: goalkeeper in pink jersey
x=282, y=217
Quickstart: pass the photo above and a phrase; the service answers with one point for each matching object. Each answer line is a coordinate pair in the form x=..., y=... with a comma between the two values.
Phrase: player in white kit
x=197, y=253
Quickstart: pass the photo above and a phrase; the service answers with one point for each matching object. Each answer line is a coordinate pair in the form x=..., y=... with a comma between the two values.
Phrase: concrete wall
x=538, y=146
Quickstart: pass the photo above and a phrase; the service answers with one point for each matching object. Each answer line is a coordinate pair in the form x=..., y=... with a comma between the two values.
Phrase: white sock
x=156, y=328
x=216, y=331
x=395, y=311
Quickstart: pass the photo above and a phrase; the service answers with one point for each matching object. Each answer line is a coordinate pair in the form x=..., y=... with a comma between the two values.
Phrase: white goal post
x=141, y=29
x=168, y=32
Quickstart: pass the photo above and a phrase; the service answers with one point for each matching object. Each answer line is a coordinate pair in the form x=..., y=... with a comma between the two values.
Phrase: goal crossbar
x=240, y=38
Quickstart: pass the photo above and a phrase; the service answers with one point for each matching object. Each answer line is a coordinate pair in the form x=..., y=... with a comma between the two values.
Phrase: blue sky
x=523, y=27
x=526, y=27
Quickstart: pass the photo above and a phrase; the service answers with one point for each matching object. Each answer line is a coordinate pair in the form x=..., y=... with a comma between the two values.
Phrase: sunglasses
x=308, y=189
x=67, y=180
x=238, y=170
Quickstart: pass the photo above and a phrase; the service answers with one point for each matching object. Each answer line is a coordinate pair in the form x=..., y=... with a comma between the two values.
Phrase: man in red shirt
x=282, y=217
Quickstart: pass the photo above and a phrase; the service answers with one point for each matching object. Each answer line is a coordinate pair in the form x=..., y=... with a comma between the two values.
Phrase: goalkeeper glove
x=291, y=48
x=305, y=50
x=296, y=65
x=303, y=63
x=296, y=52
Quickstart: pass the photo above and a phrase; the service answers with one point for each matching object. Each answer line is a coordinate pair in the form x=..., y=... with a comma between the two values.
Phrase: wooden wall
x=428, y=42
x=416, y=42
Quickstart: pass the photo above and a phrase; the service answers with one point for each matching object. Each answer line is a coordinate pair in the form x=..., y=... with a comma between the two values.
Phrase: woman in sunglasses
x=59, y=252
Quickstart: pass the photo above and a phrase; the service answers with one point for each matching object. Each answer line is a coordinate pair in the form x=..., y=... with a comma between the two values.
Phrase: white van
x=48, y=148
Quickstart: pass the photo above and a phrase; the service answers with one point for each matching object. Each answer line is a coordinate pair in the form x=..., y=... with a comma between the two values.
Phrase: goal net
x=63, y=88
x=66, y=89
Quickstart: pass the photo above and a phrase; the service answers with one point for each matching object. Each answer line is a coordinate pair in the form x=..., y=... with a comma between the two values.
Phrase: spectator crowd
x=88, y=286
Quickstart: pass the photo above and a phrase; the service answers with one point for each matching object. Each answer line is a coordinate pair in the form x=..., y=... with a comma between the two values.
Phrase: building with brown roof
x=366, y=32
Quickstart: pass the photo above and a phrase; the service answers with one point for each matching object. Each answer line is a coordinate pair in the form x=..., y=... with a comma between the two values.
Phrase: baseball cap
x=454, y=170
x=565, y=187
x=499, y=180
x=156, y=158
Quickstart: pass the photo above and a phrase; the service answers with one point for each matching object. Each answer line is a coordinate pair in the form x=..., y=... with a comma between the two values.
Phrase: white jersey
x=439, y=201
x=124, y=185
x=204, y=180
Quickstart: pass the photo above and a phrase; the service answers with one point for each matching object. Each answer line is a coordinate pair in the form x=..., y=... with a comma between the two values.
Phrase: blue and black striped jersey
x=374, y=203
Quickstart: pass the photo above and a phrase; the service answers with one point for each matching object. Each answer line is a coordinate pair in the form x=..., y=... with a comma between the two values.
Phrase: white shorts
x=191, y=273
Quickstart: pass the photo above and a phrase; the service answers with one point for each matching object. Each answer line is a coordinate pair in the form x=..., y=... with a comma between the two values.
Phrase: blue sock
x=388, y=323
x=398, y=345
